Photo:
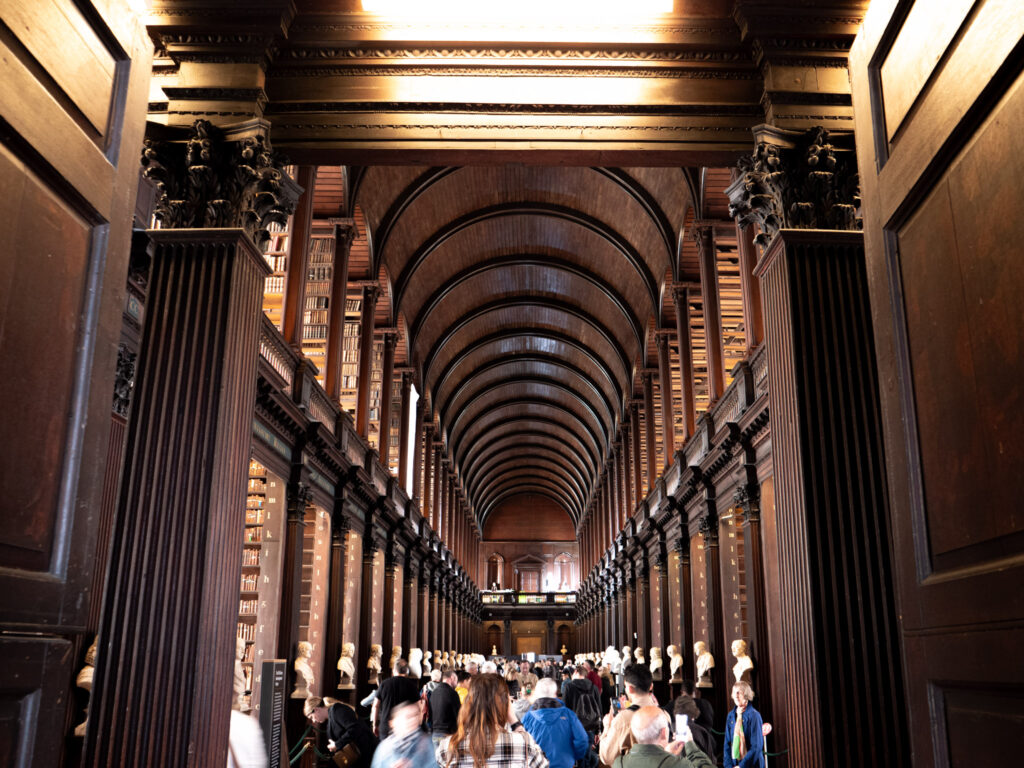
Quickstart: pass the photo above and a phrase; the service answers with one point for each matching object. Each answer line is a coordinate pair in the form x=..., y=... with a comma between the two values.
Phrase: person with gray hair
x=555, y=727
x=652, y=748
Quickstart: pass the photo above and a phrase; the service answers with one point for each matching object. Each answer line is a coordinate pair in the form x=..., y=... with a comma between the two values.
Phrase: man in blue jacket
x=555, y=728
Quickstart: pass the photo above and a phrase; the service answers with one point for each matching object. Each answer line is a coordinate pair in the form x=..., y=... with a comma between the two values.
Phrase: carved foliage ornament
x=209, y=181
x=124, y=381
x=796, y=180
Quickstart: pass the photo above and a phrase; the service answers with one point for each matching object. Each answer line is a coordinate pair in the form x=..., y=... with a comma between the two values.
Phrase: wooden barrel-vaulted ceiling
x=526, y=294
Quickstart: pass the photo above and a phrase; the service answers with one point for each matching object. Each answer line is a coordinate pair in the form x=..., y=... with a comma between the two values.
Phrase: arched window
x=495, y=566
x=563, y=572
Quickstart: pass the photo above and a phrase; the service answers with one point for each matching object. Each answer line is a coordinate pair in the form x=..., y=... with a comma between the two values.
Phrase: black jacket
x=444, y=709
x=578, y=688
x=344, y=727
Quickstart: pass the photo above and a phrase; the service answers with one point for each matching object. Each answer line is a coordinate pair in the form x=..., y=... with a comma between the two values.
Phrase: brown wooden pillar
x=642, y=576
x=614, y=499
x=344, y=234
x=666, y=591
x=623, y=452
x=419, y=456
x=403, y=435
x=652, y=448
x=435, y=609
x=336, y=595
x=628, y=605
x=426, y=492
x=634, y=416
x=388, y=637
x=753, y=315
x=387, y=398
x=298, y=259
x=298, y=499
x=410, y=606
x=705, y=237
x=438, y=484
x=681, y=293
x=747, y=504
x=627, y=465
x=370, y=294
x=370, y=548
x=667, y=412
x=169, y=618
x=685, y=629
x=425, y=618
x=718, y=643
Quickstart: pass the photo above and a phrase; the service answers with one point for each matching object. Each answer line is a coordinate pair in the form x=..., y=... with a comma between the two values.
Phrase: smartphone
x=616, y=705
x=682, y=726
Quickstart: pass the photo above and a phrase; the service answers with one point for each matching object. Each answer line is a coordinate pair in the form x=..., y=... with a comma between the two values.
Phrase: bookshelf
x=376, y=377
x=316, y=312
x=276, y=253
x=258, y=595
x=350, y=349
x=313, y=601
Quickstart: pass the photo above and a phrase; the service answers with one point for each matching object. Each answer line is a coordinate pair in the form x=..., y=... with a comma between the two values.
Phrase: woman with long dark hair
x=489, y=734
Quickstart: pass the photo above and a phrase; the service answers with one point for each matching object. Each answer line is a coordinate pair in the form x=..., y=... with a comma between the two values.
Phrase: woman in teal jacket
x=744, y=745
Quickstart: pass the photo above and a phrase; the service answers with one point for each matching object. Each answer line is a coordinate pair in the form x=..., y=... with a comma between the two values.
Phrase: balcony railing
x=517, y=597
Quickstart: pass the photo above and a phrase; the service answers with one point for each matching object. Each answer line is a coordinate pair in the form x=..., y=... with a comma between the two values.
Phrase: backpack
x=587, y=711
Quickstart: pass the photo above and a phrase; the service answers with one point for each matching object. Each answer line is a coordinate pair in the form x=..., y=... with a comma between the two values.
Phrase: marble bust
x=396, y=654
x=675, y=663
x=373, y=664
x=304, y=679
x=415, y=662
x=84, y=681
x=744, y=664
x=238, y=698
x=346, y=666
x=656, y=662
x=705, y=663
x=638, y=656
x=427, y=666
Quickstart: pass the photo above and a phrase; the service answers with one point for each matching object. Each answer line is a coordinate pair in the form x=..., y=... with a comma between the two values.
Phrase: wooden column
x=652, y=448
x=642, y=575
x=298, y=259
x=410, y=606
x=747, y=504
x=705, y=237
x=298, y=498
x=388, y=637
x=685, y=629
x=718, y=643
x=370, y=549
x=627, y=447
x=425, y=618
x=831, y=502
x=634, y=415
x=628, y=604
x=614, y=500
x=438, y=485
x=753, y=316
x=370, y=294
x=623, y=451
x=169, y=620
x=667, y=415
x=427, y=492
x=403, y=434
x=681, y=293
x=387, y=398
x=419, y=456
x=335, y=595
x=667, y=631
x=344, y=234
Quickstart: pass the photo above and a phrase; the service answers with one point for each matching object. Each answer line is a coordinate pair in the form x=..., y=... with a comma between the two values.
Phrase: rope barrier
x=292, y=760
x=299, y=741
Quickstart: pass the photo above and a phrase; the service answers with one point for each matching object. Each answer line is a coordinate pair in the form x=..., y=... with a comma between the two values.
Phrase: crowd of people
x=508, y=714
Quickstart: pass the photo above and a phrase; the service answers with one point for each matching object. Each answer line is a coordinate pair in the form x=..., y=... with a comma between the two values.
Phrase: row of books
x=314, y=331
x=274, y=284
x=253, y=535
x=247, y=631
x=276, y=263
x=317, y=302
x=249, y=582
x=321, y=250
x=277, y=243
x=254, y=516
x=250, y=557
x=257, y=484
x=247, y=607
x=316, y=316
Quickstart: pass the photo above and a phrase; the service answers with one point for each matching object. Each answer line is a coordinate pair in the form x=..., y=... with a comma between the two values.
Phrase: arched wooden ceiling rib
x=647, y=201
x=531, y=333
x=487, y=506
x=527, y=391
x=548, y=210
x=404, y=199
x=521, y=484
x=508, y=361
x=535, y=473
x=525, y=428
x=516, y=466
x=527, y=302
x=480, y=468
x=539, y=261
x=537, y=412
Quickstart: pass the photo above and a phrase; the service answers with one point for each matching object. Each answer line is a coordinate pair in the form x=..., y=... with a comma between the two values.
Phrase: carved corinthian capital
x=207, y=178
x=797, y=180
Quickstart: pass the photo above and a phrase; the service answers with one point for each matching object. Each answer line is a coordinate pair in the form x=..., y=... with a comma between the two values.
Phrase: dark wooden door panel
x=73, y=89
x=939, y=104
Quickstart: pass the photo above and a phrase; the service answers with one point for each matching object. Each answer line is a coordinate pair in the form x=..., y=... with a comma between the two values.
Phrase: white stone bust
x=705, y=663
x=638, y=656
x=304, y=679
x=373, y=663
x=656, y=662
x=238, y=700
x=396, y=654
x=427, y=666
x=675, y=663
x=416, y=662
x=627, y=658
x=612, y=660
x=744, y=664
x=347, y=666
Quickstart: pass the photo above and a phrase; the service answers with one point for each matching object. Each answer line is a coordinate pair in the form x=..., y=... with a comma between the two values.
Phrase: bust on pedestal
x=656, y=663
x=744, y=664
x=373, y=664
x=347, y=667
x=238, y=699
x=675, y=664
x=304, y=679
x=84, y=681
x=705, y=663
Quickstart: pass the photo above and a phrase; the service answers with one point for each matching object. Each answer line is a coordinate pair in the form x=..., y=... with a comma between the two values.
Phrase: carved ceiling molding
x=470, y=70
x=665, y=110
x=515, y=127
x=533, y=52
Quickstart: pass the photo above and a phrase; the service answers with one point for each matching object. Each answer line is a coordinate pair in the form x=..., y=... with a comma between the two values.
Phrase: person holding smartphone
x=654, y=745
x=616, y=738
